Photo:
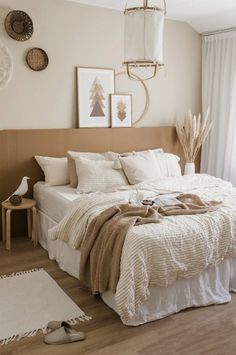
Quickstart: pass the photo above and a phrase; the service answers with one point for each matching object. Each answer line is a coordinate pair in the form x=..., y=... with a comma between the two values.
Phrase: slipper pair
x=62, y=333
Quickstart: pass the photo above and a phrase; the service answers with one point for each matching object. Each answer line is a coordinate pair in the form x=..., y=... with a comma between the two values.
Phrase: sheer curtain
x=219, y=93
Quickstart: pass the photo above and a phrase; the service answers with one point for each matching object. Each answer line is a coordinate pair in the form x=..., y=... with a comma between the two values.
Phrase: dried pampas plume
x=192, y=132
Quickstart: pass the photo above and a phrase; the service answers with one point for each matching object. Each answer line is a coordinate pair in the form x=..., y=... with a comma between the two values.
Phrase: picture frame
x=121, y=110
x=94, y=85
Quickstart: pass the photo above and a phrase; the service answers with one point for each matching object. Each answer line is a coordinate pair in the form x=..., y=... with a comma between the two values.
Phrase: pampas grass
x=192, y=132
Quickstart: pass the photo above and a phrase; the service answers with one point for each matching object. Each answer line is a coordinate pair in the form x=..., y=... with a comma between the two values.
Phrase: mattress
x=54, y=200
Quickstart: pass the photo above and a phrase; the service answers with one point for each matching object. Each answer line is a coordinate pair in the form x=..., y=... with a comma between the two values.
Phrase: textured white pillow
x=98, y=175
x=168, y=164
x=71, y=156
x=156, y=151
x=140, y=167
x=117, y=163
x=55, y=170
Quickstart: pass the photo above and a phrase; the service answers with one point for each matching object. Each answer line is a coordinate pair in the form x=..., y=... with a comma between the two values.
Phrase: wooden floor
x=209, y=330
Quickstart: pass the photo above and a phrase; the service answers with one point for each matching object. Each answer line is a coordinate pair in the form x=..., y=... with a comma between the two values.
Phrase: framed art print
x=121, y=110
x=94, y=87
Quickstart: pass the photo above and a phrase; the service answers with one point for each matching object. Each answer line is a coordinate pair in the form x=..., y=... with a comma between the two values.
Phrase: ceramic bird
x=22, y=188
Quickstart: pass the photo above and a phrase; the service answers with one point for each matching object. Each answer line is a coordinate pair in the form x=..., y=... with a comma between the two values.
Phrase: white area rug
x=28, y=301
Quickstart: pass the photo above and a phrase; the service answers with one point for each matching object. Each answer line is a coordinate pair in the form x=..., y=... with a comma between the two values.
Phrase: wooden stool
x=7, y=208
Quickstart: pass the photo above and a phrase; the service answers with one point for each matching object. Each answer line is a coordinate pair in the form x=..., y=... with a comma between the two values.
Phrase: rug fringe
x=78, y=319
x=17, y=337
x=32, y=333
x=20, y=273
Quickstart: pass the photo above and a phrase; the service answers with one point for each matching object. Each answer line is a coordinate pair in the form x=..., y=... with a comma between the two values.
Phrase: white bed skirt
x=212, y=286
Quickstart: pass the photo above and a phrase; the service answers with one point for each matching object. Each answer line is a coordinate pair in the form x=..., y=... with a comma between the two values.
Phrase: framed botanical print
x=121, y=110
x=94, y=87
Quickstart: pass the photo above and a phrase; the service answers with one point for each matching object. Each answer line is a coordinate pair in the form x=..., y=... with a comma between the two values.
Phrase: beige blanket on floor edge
x=102, y=247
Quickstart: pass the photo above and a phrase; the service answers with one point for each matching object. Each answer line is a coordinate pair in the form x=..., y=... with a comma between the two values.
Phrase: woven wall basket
x=37, y=59
x=19, y=25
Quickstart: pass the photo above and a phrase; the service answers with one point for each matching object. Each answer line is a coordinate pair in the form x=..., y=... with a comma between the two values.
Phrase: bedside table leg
x=8, y=229
x=34, y=233
x=3, y=224
x=29, y=223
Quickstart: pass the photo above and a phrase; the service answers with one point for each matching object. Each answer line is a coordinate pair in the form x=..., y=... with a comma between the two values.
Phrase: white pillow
x=98, y=175
x=140, y=167
x=71, y=156
x=117, y=163
x=168, y=164
x=156, y=151
x=55, y=170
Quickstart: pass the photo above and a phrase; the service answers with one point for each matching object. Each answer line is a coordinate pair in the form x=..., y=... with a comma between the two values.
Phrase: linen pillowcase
x=168, y=164
x=155, y=151
x=140, y=167
x=55, y=170
x=71, y=156
x=98, y=175
x=117, y=163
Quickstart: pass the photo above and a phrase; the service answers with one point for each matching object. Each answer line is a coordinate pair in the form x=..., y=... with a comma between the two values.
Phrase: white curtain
x=219, y=93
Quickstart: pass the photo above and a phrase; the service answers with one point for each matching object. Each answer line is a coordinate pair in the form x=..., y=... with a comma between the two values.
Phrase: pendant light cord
x=145, y=4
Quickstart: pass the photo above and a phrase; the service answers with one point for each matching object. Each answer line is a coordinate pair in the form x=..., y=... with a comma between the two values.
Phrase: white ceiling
x=202, y=15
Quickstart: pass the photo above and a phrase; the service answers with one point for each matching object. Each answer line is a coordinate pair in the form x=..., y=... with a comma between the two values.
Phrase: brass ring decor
x=37, y=59
x=147, y=97
x=19, y=25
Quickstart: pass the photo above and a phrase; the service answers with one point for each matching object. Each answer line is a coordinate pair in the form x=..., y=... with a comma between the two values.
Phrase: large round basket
x=19, y=25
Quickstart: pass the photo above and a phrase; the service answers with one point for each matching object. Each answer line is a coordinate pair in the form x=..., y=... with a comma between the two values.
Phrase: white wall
x=79, y=35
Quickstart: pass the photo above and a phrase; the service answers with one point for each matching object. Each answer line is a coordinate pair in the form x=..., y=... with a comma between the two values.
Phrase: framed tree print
x=121, y=110
x=94, y=87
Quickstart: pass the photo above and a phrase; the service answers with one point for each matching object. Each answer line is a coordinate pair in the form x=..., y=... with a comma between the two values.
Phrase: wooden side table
x=7, y=208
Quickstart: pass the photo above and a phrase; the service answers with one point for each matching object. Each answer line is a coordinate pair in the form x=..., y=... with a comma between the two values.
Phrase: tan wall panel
x=18, y=148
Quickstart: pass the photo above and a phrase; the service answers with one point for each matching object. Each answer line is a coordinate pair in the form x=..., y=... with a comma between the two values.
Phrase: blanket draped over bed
x=103, y=243
x=157, y=254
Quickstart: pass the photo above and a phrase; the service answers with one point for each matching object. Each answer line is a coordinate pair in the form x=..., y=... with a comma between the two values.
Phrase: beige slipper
x=53, y=325
x=63, y=335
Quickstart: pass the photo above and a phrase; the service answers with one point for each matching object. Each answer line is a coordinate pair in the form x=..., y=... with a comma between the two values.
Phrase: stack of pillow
x=91, y=172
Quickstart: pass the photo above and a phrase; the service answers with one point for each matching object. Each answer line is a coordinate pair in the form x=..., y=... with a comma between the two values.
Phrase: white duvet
x=159, y=254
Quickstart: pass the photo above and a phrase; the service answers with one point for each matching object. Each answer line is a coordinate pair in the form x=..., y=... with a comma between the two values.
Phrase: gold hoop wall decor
x=147, y=97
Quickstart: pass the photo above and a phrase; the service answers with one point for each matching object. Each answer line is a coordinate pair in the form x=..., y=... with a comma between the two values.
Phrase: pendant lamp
x=144, y=27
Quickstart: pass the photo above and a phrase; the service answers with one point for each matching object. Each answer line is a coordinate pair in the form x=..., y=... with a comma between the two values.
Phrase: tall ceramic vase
x=189, y=169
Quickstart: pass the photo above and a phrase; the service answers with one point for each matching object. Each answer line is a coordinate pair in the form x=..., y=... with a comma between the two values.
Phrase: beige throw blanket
x=102, y=247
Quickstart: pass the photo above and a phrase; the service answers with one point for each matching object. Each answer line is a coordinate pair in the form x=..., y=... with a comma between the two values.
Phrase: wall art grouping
x=96, y=108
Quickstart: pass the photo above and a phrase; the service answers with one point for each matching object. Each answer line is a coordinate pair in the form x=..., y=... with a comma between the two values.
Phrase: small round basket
x=15, y=200
x=19, y=25
x=37, y=59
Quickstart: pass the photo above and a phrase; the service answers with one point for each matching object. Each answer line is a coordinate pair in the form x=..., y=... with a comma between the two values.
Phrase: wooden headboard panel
x=18, y=148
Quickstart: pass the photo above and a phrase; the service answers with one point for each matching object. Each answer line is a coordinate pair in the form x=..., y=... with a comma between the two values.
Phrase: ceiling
x=202, y=15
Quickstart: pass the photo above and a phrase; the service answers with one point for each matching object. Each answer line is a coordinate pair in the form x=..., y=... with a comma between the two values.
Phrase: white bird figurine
x=22, y=188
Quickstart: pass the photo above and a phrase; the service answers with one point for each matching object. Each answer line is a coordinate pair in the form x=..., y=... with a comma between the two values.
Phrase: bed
x=211, y=286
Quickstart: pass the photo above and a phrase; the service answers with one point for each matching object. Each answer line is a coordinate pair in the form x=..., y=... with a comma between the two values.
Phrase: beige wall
x=79, y=35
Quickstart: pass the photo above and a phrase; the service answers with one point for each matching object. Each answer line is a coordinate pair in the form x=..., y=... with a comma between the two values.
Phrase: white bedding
x=212, y=286
x=200, y=290
x=54, y=200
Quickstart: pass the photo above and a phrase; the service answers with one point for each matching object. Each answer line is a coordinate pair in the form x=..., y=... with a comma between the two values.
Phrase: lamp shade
x=144, y=36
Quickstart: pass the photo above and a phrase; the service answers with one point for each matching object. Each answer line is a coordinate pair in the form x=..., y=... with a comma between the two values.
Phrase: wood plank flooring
x=203, y=331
